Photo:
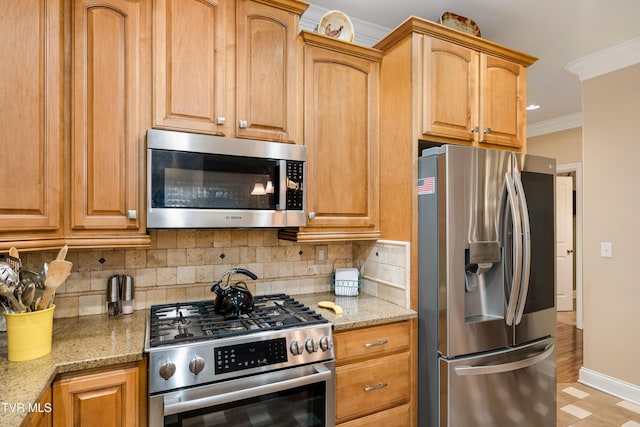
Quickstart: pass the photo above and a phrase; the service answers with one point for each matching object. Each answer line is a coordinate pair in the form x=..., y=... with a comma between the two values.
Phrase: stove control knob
x=295, y=348
x=196, y=365
x=310, y=345
x=167, y=369
x=325, y=344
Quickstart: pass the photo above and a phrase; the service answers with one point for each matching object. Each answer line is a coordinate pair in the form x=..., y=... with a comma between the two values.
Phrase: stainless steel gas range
x=272, y=366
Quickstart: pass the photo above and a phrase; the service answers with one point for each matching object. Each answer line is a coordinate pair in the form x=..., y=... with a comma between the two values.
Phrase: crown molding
x=605, y=61
x=366, y=33
x=558, y=124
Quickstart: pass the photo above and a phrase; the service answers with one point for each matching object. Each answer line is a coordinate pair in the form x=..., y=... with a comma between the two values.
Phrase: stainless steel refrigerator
x=486, y=288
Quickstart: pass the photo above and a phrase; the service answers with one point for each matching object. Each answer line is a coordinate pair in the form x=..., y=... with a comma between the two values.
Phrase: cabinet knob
x=244, y=124
x=312, y=215
x=474, y=129
x=132, y=214
x=487, y=131
x=220, y=120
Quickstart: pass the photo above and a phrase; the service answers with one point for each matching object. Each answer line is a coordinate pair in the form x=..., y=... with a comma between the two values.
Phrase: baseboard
x=624, y=390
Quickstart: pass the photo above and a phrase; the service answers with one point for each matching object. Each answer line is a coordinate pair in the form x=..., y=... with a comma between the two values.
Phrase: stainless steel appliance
x=486, y=277
x=272, y=366
x=204, y=181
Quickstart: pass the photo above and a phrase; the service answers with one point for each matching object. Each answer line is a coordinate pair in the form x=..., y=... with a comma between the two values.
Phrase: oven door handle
x=177, y=402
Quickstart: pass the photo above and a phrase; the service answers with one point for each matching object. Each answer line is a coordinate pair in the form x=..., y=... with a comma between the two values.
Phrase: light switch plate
x=606, y=249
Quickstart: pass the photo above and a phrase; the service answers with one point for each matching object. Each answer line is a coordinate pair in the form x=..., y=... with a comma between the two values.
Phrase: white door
x=564, y=243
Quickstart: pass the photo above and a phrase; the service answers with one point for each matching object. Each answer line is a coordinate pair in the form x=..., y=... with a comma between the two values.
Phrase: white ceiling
x=555, y=31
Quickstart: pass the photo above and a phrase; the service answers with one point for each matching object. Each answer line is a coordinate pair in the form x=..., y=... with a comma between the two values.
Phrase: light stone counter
x=97, y=341
x=78, y=343
x=360, y=311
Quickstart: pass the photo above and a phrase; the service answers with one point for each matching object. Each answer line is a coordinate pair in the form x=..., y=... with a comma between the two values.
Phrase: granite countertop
x=78, y=343
x=96, y=341
x=360, y=311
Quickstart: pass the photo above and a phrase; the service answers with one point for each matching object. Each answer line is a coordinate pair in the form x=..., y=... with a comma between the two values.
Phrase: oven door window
x=299, y=407
x=213, y=181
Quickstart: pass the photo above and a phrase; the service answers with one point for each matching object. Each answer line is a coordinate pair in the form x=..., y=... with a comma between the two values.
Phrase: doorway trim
x=577, y=251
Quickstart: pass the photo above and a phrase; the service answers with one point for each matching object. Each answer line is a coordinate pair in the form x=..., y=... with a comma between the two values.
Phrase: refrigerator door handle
x=517, y=248
x=526, y=250
x=506, y=367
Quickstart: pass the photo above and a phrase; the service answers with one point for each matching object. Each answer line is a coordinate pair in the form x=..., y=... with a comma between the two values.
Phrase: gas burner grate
x=197, y=320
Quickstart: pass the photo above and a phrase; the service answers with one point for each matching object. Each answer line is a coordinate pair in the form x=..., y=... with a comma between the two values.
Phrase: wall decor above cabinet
x=228, y=68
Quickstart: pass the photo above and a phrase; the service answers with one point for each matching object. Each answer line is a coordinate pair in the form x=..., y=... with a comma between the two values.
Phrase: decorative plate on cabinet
x=460, y=23
x=337, y=25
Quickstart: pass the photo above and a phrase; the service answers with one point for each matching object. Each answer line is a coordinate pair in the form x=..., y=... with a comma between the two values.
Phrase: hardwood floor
x=569, y=347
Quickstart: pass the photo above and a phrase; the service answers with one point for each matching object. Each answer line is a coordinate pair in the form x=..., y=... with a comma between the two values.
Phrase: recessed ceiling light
x=531, y=107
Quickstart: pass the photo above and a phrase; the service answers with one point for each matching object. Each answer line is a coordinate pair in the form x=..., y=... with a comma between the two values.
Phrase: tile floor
x=582, y=406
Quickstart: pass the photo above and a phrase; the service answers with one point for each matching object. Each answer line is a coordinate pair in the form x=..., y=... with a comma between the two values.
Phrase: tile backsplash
x=182, y=265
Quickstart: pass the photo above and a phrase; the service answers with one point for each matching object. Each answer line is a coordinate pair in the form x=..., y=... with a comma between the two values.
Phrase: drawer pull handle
x=375, y=344
x=375, y=387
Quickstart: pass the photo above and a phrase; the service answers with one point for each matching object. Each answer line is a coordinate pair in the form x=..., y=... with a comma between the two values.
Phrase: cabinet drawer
x=400, y=416
x=374, y=341
x=369, y=386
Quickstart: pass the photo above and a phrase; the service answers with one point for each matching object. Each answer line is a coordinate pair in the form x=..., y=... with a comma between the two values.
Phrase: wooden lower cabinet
x=110, y=397
x=373, y=376
x=400, y=416
x=42, y=416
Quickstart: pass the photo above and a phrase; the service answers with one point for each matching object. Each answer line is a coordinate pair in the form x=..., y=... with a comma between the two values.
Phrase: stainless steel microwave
x=205, y=181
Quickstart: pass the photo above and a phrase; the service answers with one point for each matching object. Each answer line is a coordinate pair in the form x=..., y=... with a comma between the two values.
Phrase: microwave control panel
x=295, y=191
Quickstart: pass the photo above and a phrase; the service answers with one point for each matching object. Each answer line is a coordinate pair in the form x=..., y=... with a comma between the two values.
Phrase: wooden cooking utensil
x=57, y=273
x=62, y=254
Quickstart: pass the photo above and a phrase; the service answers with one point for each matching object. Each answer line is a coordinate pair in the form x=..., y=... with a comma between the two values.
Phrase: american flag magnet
x=427, y=185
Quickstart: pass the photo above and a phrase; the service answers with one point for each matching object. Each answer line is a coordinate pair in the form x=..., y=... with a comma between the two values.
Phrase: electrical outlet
x=606, y=249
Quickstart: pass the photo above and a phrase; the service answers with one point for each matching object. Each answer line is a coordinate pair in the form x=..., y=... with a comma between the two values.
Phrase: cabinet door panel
x=31, y=121
x=103, y=399
x=366, y=387
x=189, y=46
x=105, y=116
x=340, y=112
x=267, y=58
x=503, y=103
x=450, y=91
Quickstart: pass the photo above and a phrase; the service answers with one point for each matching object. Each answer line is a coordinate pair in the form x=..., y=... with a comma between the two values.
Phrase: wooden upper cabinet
x=267, y=57
x=189, y=65
x=450, y=101
x=108, y=91
x=447, y=86
x=472, y=96
x=341, y=136
x=502, y=102
x=227, y=67
x=31, y=131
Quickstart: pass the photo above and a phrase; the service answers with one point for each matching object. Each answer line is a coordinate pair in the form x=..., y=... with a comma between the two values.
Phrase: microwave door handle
x=526, y=250
x=517, y=248
x=282, y=190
